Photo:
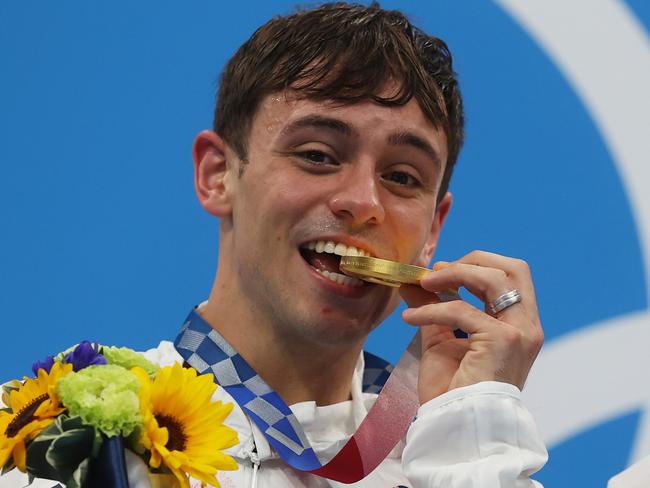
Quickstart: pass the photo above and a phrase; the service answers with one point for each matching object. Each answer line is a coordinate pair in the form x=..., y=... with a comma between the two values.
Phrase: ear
x=212, y=173
x=442, y=210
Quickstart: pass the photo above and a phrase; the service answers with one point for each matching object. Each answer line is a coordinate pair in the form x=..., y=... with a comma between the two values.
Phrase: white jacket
x=636, y=476
x=473, y=437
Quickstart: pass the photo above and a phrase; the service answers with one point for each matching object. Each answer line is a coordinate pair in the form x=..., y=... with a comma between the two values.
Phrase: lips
x=325, y=257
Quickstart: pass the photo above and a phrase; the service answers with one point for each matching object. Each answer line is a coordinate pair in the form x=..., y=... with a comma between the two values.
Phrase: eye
x=318, y=158
x=401, y=178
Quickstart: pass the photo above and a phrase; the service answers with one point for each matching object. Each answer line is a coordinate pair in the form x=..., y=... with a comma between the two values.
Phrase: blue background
x=101, y=236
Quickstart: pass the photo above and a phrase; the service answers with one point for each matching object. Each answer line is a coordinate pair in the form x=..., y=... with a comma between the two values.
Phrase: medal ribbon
x=207, y=351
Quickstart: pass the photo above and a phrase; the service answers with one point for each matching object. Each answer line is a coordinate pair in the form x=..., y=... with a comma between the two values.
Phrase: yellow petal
x=210, y=480
x=181, y=477
x=5, y=419
x=155, y=459
x=20, y=456
x=180, y=394
x=5, y=452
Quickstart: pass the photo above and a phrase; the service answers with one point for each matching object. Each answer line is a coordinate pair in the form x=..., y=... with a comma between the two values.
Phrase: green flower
x=103, y=396
x=128, y=358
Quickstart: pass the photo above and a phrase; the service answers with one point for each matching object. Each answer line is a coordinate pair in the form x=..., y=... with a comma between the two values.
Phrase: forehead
x=367, y=118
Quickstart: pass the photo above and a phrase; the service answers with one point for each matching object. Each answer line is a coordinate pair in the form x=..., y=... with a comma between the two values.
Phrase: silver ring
x=504, y=301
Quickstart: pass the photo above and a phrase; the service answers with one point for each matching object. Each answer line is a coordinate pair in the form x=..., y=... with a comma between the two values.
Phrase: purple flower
x=46, y=364
x=84, y=355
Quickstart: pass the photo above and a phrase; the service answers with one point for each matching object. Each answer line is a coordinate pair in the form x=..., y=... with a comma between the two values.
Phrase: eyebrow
x=406, y=138
x=320, y=122
x=401, y=138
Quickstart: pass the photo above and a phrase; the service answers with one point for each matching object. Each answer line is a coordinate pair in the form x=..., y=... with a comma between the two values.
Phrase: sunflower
x=183, y=427
x=33, y=405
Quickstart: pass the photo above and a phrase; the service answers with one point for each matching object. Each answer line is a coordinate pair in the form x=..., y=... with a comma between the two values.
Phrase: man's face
x=363, y=176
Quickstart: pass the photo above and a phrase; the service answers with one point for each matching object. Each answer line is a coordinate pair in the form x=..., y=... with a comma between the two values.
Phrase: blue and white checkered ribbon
x=207, y=351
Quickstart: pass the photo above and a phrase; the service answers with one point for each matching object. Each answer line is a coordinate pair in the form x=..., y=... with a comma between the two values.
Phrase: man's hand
x=501, y=347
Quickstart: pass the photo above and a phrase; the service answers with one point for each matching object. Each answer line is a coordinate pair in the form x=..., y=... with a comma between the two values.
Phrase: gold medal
x=382, y=271
x=388, y=273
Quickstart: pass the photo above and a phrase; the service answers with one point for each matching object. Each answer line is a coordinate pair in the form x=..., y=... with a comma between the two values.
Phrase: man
x=336, y=132
x=337, y=128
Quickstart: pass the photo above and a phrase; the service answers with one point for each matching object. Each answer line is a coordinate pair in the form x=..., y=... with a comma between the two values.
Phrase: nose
x=357, y=198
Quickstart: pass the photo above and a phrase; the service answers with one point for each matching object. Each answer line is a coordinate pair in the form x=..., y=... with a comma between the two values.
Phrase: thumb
x=416, y=296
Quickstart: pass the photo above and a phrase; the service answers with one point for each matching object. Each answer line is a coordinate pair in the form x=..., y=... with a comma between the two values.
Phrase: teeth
x=340, y=278
x=339, y=248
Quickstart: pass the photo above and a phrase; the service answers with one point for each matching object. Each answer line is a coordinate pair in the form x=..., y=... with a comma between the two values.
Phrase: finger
x=503, y=338
x=456, y=314
x=485, y=283
x=416, y=296
x=433, y=335
x=519, y=273
x=517, y=270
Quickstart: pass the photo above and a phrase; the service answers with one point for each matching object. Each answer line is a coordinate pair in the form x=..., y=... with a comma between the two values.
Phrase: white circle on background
x=594, y=374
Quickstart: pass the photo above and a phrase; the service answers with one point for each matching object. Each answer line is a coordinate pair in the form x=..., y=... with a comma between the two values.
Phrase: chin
x=336, y=329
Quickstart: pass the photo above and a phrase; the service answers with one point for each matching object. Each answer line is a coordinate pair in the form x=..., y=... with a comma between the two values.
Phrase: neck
x=298, y=370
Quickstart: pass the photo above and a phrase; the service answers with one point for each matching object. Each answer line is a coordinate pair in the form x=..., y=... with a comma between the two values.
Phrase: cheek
x=289, y=199
x=412, y=226
x=274, y=206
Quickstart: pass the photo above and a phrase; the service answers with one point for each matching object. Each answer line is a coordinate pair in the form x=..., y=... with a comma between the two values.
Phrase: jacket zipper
x=255, y=460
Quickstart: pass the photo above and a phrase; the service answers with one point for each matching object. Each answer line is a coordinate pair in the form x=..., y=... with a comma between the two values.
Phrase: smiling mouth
x=325, y=258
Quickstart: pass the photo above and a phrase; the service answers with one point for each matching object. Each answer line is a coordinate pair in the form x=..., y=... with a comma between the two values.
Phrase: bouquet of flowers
x=56, y=423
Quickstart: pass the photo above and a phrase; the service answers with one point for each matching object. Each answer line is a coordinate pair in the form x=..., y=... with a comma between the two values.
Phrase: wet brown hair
x=346, y=53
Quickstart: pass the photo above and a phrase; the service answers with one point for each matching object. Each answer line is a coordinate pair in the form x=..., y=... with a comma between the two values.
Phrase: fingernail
x=440, y=265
